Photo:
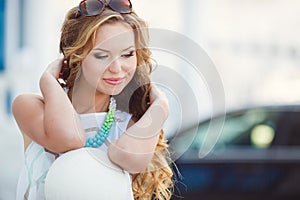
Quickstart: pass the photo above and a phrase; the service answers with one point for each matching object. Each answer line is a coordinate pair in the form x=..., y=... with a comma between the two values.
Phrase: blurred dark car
x=256, y=156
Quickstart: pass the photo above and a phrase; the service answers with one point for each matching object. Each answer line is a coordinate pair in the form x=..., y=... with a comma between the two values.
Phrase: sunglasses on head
x=95, y=7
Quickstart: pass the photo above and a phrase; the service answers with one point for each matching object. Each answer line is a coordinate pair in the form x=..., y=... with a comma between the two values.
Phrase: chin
x=116, y=93
x=113, y=91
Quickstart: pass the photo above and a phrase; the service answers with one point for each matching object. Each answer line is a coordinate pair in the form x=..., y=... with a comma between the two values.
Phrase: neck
x=88, y=100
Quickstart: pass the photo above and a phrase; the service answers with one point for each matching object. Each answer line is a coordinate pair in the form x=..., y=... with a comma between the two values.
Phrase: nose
x=115, y=66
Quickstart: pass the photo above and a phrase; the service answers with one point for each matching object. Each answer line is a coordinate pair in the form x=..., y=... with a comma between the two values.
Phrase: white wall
x=256, y=48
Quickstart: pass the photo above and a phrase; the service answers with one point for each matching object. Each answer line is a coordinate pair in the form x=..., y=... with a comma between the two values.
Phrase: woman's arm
x=134, y=149
x=51, y=120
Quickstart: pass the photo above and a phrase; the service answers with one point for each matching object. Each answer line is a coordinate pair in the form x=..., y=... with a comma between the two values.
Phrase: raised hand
x=54, y=68
x=157, y=97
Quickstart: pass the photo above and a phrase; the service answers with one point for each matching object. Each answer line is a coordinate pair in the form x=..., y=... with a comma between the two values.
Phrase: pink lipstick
x=113, y=81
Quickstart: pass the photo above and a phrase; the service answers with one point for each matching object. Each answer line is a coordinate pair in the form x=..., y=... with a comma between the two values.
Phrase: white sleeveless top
x=38, y=161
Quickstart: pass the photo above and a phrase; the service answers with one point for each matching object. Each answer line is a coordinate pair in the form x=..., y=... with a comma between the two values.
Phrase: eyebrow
x=106, y=50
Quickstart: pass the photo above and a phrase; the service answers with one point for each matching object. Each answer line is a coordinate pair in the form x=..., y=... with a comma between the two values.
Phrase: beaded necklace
x=103, y=133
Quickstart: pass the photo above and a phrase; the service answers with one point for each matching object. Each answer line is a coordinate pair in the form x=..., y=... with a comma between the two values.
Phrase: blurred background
x=254, y=45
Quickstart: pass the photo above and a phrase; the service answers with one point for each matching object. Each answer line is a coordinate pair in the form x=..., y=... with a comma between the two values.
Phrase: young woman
x=107, y=102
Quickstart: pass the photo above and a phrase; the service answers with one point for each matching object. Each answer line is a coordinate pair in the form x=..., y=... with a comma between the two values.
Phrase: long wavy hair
x=77, y=40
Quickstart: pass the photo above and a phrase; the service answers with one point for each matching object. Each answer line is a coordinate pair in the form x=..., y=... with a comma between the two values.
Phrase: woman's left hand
x=54, y=68
x=157, y=97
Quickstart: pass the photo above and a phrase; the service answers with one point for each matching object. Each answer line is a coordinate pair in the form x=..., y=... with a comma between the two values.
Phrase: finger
x=55, y=67
x=152, y=93
x=155, y=93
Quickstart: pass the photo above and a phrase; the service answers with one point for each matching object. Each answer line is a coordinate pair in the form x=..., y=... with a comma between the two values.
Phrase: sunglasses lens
x=91, y=7
x=121, y=6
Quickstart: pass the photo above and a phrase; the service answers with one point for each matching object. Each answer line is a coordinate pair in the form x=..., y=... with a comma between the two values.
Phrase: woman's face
x=112, y=62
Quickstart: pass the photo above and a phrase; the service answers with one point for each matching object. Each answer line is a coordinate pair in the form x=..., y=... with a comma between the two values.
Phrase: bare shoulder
x=28, y=96
x=23, y=100
x=28, y=110
x=27, y=107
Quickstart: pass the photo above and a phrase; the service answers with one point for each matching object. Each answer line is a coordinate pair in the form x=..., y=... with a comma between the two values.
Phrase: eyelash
x=100, y=57
x=128, y=55
x=131, y=53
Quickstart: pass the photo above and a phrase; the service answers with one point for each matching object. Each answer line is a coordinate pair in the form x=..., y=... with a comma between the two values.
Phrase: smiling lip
x=113, y=81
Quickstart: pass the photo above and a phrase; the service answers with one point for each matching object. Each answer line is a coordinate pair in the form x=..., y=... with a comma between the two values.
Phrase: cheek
x=91, y=71
x=131, y=67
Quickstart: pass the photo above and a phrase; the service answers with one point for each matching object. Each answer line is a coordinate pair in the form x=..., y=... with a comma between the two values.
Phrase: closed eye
x=100, y=56
x=131, y=53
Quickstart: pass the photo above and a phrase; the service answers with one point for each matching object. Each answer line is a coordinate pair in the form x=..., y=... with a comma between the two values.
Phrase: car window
x=253, y=128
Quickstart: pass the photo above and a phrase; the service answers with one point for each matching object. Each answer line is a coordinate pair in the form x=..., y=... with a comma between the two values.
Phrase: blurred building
x=255, y=46
x=29, y=33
